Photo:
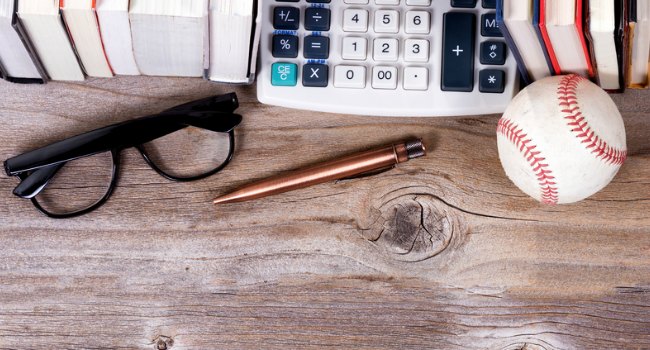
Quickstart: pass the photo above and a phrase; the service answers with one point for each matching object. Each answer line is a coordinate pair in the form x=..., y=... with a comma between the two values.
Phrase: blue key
x=284, y=74
x=317, y=19
x=287, y=18
x=317, y=47
x=285, y=46
x=315, y=75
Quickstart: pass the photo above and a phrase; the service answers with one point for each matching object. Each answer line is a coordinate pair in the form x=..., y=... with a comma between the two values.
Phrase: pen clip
x=367, y=173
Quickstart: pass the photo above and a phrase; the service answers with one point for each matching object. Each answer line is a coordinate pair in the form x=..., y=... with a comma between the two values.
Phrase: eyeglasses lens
x=189, y=152
x=78, y=185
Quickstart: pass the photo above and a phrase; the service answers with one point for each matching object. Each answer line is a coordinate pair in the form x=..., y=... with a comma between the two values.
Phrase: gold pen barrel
x=333, y=170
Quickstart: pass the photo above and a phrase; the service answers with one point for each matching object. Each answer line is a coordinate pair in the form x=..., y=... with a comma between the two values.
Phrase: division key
x=459, y=30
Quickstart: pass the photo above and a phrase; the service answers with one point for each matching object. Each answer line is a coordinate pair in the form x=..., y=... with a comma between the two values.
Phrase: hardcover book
x=81, y=20
x=515, y=18
x=638, y=71
x=115, y=28
x=234, y=37
x=537, y=14
x=563, y=24
x=521, y=65
x=541, y=25
x=42, y=22
x=605, y=32
x=18, y=60
x=170, y=37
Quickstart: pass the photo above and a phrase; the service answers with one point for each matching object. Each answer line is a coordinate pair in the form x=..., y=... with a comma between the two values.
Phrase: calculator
x=385, y=57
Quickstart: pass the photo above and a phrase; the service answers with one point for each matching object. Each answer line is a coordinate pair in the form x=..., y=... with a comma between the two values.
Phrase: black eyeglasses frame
x=36, y=168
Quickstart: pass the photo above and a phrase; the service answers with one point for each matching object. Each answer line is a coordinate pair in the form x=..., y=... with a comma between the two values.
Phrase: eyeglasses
x=77, y=175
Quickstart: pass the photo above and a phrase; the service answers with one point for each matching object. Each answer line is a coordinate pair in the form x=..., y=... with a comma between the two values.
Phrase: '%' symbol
x=285, y=44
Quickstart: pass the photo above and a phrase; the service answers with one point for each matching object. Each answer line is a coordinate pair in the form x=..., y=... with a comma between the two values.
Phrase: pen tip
x=223, y=200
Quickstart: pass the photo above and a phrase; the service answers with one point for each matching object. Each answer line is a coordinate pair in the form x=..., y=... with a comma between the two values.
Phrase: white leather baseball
x=561, y=139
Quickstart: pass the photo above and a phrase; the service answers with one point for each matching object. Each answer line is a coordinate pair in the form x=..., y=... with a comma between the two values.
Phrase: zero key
x=458, y=38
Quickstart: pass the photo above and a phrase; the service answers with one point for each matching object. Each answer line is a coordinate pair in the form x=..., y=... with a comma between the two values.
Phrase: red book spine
x=547, y=39
x=581, y=35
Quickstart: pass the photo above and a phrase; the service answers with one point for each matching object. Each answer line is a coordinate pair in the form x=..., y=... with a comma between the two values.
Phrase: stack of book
x=68, y=40
x=607, y=41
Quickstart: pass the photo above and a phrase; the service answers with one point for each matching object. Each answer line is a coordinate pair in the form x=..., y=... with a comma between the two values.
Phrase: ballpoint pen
x=358, y=164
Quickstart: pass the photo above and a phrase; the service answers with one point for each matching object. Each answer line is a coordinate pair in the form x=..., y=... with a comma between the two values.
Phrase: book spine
x=620, y=39
x=579, y=21
x=3, y=72
x=546, y=39
x=31, y=50
x=589, y=41
x=521, y=66
x=255, y=39
x=540, y=38
x=94, y=9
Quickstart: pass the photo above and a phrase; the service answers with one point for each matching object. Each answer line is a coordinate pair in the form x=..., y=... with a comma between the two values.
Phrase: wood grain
x=440, y=253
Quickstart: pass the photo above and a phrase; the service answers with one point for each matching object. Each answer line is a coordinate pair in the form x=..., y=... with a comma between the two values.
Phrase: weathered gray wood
x=441, y=253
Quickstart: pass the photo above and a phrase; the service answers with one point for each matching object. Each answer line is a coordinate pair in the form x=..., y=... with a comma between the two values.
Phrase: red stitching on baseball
x=545, y=178
x=566, y=95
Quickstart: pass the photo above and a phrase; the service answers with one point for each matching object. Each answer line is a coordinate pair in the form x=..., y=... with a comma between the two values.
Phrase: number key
x=416, y=50
x=384, y=78
x=353, y=77
x=354, y=48
x=386, y=21
x=385, y=49
x=355, y=20
x=418, y=22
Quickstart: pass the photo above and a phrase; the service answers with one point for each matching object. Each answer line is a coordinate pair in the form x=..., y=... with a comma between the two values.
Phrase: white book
x=561, y=28
x=640, y=52
x=602, y=24
x=81, y=20
x=116, y=34
x=42, y=22
x=170, y=37
x=14, y=55
x=234, y=36
x=518, y=17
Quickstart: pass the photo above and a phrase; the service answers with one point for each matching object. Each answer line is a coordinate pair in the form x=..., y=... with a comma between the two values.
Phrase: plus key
x=458, y=51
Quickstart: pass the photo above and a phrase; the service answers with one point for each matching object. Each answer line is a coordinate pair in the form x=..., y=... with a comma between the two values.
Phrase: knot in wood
x=163, y=342
x=412, y=227
x=524, y=346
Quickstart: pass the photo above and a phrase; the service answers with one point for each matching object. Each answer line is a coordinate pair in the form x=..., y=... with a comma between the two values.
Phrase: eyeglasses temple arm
x=226, y=103
x=33, y=184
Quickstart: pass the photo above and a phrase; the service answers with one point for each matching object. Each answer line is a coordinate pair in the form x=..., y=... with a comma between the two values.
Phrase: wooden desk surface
x=441, y=253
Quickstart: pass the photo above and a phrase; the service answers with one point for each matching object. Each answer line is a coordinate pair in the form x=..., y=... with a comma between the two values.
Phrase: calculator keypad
x=407, y=46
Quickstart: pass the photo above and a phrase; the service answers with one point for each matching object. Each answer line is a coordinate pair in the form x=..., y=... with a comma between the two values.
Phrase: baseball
x=561, y=139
